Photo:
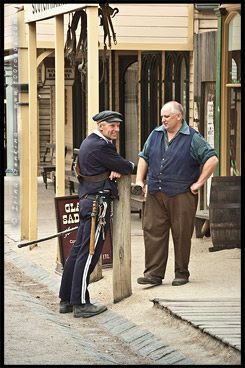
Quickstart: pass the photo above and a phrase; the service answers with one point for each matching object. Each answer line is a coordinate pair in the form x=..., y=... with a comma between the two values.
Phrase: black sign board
x=67, y=217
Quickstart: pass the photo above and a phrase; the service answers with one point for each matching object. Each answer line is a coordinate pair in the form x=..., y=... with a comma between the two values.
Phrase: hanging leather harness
x=106, y=13
x=72, y=49
x=70, y=46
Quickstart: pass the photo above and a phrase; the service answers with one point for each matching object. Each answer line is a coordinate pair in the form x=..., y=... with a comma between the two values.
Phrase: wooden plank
x=212, y=313
x=235, y=309
x=208, y=23
x=156, y=21
x=203, y=304
x=122, y=287
x=132, y=39
x=9, y=10
x=228, y=323
x=220, y=318
x=168, y=10
x=203, y=214
x=158, y=32
x=33, y=131
x=197, y=300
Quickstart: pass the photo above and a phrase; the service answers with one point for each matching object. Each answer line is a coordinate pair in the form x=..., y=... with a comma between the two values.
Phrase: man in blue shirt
x=98, y=166
x=172, y=156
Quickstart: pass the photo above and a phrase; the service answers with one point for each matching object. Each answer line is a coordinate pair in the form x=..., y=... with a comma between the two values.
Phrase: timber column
x=122, y=287
x=93, y=90
x=60, y=105
x=24, y=126
x=59, y=113
x=219, y=13
x=93, y=66
x=32, y=64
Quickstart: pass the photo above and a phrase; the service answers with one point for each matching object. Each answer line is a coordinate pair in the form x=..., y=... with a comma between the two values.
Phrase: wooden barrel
x=225, y=212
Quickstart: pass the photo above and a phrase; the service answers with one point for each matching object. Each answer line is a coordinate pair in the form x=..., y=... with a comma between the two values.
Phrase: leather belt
x=90, y=196
x=102, y=195
x=91, y=178
x=96, y=178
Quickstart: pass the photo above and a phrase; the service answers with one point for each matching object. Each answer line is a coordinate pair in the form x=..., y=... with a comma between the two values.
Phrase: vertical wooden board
x=122, y=241
x=96, y=275
x=59, y=105
x=32, y=74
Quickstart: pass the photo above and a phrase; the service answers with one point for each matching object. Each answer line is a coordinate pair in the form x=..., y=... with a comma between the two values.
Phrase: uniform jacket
x=97, y=155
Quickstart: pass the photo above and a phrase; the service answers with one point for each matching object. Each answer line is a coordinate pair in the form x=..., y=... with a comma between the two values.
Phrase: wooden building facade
x=152, y=62
x=157, y=56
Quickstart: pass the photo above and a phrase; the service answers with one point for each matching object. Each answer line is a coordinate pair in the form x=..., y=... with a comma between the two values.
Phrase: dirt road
x=35, y=339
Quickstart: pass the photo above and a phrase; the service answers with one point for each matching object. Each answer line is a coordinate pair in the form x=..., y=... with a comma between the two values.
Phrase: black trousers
x=80, y=264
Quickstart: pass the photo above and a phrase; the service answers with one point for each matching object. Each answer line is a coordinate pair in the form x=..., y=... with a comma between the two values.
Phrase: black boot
x=65, y=307
x=87, y=310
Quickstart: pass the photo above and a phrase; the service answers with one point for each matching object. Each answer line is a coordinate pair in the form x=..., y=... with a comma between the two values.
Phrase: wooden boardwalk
x=220, y=318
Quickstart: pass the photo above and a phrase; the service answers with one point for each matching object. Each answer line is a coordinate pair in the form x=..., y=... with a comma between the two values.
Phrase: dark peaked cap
x=107, y=115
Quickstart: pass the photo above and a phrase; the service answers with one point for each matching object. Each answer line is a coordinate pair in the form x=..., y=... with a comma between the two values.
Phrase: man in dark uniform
x=99, y=165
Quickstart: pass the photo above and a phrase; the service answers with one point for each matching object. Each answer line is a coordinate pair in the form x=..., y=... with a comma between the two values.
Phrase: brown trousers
x=163, y=213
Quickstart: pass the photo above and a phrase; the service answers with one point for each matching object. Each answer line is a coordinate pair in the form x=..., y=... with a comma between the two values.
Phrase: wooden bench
x=138, y=203
x=202, y=224
x=46, y=166
x=70, y=175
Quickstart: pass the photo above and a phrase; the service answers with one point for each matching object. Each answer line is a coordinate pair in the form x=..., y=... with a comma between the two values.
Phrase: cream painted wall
x=137, y=26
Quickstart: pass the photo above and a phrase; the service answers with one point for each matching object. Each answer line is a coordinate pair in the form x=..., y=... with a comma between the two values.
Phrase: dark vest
x=174, y=170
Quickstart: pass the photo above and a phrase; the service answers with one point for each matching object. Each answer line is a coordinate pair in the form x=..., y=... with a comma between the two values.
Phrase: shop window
x=170, y=76
x=128, y=106
x=79, y=109
x=151, y=93
x=176, y=80
x=233, y=86
x=234, y=127
x=184, y=83
x=234, y=50
x=104, y=84
x=131, y=112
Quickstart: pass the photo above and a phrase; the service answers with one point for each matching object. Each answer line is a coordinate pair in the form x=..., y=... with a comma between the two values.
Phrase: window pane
x=131, y=113
x=173, y=82
x=234, y=119
x=235, y=33
x=234, y=50
x=183, y=78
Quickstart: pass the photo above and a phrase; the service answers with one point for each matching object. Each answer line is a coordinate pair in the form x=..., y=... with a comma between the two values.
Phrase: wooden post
x=93, y=66
x=96, y=275
x=60, y=105
x=60, y=113
x=23, y=123
x=32, y=72
x=93, y=92
x=122, y=287
x=218, y=89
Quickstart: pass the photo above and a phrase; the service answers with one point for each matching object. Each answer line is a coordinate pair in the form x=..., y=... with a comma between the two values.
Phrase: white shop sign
x=41, y=11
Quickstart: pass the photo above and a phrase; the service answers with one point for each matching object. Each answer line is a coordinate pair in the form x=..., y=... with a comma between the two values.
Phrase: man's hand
x=195, y=187
x=114, y=175
x=207, y=171
x=141, y=173
x=141, y=183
